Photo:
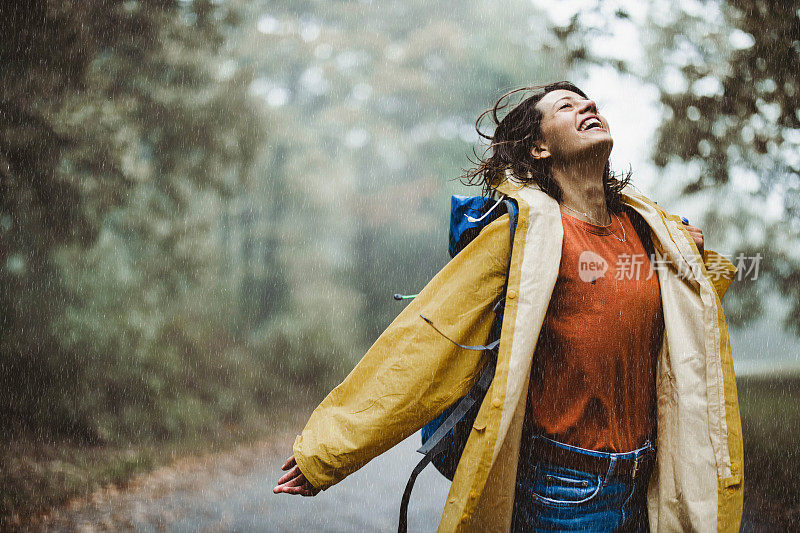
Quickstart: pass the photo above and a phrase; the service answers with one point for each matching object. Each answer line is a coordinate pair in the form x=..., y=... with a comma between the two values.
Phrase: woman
x=614, y=402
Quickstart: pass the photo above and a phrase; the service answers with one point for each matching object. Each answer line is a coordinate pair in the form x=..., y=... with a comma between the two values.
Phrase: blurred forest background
x=206, y=205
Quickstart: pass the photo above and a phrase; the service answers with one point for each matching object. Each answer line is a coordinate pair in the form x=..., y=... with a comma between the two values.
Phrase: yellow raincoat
x=412, y=373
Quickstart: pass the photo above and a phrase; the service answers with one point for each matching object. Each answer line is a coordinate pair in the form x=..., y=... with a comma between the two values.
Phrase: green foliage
x=308, y=351
x=208, y=205
x=119, y=145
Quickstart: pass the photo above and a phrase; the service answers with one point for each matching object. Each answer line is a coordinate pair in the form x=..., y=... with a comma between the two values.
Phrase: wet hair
x=510, y=146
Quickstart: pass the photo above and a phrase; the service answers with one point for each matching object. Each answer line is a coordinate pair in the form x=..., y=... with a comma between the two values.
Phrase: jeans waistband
x=539, y=448
x=646, y=448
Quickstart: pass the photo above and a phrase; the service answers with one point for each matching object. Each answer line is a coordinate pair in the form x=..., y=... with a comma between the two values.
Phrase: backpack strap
x=513, y=216
x=480, y=347
x=437, y=444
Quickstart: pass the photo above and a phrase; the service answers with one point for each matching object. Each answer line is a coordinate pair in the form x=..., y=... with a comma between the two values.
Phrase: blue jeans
x=551, y=497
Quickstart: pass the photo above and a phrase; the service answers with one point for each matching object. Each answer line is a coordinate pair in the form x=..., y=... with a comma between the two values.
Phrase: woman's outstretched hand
x=293, y=481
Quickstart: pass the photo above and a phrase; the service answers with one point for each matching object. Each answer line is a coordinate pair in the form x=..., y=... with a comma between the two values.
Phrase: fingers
x=302, y=491
x=293, y=481
x=290, y=475
x=307, y=489
x=693, y=229
x=697, y=236
x=298, y=481
x=696, y=233
x=296, y=485
x=689, y=227
x=290, y=462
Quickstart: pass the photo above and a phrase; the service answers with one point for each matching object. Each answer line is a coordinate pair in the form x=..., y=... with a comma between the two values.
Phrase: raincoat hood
x=412, y=373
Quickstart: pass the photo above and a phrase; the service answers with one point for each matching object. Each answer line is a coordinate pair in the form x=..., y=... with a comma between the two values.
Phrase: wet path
x=233, y=492
x=368, y=500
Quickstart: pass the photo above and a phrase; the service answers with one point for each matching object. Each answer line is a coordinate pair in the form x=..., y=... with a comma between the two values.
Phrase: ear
x=539, y=150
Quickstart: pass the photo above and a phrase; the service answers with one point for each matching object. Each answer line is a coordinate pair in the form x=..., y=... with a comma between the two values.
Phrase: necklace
x=624, y=237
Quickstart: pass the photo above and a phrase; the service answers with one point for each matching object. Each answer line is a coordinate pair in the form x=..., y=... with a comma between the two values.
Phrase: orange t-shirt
x=593, y=375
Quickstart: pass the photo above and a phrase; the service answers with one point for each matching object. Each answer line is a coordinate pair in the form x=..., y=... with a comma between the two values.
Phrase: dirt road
x=233, y=492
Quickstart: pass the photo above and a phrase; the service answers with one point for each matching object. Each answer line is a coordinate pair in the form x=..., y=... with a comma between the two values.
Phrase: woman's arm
x=412, y=372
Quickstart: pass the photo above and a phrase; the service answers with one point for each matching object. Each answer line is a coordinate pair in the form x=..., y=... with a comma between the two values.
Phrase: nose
x=589, y=105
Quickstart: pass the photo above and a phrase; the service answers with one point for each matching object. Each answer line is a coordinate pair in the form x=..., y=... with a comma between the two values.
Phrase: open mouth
x=590, y=123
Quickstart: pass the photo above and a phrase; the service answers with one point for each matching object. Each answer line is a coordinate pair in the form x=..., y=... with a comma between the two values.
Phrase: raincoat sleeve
x=720, y=271
x=412, y=372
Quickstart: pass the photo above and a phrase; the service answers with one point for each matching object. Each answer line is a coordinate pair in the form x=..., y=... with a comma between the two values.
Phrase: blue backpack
x=444, y=438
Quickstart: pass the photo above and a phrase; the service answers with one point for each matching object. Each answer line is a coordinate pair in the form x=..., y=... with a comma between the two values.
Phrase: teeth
x=590, y=122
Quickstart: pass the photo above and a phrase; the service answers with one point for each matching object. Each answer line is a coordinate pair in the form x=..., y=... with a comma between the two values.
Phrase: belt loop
x=611, y=464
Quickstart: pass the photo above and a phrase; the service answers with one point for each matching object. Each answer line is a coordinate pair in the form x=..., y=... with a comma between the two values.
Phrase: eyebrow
x=563, y=98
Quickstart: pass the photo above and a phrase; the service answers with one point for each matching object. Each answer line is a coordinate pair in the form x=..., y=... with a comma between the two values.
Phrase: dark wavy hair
x=510, y=148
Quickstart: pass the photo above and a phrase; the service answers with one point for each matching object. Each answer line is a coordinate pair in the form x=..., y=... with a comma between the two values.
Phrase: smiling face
x=571, y=128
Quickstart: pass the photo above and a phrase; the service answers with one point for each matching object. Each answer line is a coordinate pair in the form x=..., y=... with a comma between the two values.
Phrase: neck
x=582, y=185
